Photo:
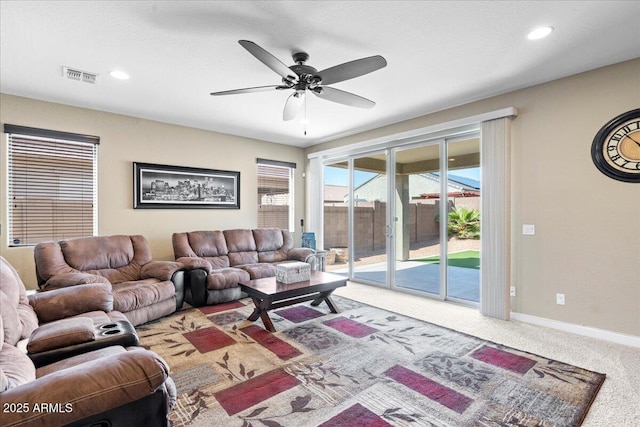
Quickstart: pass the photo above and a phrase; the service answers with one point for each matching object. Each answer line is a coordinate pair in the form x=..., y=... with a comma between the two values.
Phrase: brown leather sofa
x=219, y=259
x=111, y=385
x=143, y=289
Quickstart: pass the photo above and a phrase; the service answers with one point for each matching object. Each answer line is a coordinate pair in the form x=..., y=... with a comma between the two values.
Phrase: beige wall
x=587, y=242
x=124, y=140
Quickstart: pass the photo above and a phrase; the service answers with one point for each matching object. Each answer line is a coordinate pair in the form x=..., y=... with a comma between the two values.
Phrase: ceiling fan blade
x=293, y=106
x=269, y=60
x=352, y=69
x=248, y=90
x=342, y=97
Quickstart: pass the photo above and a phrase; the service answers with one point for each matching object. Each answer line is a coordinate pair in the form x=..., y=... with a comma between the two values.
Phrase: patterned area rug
x=362, y=367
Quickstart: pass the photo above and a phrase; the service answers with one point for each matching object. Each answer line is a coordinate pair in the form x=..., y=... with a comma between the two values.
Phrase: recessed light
x=539, y=33
x=120, y=75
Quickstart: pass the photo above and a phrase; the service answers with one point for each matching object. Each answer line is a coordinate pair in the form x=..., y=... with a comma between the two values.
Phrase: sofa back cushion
x=17, y=318
x=209, y=245
x=272, y=244
x=242, y=246
x=117, y=258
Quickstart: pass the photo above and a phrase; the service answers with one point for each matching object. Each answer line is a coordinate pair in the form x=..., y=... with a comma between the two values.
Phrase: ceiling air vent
x=79, y=75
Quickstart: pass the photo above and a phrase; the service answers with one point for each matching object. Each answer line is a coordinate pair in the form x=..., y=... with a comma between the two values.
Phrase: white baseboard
x=616, y=337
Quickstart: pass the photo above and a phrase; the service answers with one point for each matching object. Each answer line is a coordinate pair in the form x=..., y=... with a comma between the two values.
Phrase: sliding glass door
x=417, y=209
x=355, y=217
x=436, y=215
x=463, y=220
x=408, y=218
x=370, y=230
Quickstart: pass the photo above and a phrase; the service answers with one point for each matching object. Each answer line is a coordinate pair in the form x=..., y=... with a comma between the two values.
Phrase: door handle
x=388, y=230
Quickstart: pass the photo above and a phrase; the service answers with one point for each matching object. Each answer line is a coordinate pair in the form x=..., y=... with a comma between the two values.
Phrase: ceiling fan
x=302, y=78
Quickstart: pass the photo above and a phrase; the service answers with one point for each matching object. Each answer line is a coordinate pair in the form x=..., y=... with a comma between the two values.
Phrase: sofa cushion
x=116, y=258
x=15, y=368
x=242, y=247
x=259, y=270
x=268, y=239
x=239, y=258
x=240, y=240
x=128, y=296
x=100, y=317
x=218, y=261
x=207, y=243
x=98, y=253
x=225, y=278
x=18, y=318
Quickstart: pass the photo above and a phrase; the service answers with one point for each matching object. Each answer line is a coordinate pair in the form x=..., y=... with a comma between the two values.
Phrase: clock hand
x=637, y=143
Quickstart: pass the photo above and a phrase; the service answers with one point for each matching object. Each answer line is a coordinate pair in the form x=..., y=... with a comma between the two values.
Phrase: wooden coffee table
x=268, y=294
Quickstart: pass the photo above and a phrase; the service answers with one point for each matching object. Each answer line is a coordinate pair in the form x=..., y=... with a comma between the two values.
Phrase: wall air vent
x=79, y=75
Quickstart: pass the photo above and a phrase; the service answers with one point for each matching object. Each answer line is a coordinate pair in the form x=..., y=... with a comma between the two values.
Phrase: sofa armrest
x=196, y=287
x=66, y=302
x=65, y=280
x=61, y=333
x=161, y=270
x=301, y=254
x=86, y=389
x=192, y=263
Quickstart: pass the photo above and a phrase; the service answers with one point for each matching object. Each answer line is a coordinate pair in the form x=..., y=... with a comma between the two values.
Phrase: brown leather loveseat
x=226, y=257
x=112, y=385
x=143, y=289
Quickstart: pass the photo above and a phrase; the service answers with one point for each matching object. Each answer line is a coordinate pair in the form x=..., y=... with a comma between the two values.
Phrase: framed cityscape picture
x=178, y=187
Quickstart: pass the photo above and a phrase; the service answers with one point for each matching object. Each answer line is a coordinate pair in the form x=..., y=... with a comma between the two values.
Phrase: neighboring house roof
x=335, y=193
x=467, y=182
x=420, y=185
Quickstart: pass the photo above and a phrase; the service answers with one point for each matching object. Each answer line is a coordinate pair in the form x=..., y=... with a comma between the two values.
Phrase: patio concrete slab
x=464, y=283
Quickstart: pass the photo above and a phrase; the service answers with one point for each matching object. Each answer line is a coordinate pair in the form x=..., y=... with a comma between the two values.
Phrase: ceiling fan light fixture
x=540, y=33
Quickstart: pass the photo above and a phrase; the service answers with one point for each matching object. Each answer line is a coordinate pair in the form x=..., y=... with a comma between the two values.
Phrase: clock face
x=622, y=147
x=616, y=148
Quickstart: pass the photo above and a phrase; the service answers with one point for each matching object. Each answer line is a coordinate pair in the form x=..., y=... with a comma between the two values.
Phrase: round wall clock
x=616, y=147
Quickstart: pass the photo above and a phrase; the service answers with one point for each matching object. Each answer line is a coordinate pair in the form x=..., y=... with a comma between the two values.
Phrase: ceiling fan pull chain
x=305, y=116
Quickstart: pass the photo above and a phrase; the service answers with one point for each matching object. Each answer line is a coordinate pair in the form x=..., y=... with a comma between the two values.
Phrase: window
x=275, y=194
x=52, y=185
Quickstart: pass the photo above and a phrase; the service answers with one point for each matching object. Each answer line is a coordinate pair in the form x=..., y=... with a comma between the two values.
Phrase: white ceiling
x=440, y=54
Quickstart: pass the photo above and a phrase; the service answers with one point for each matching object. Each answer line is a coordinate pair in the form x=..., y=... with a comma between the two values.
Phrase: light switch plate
x=528, y=229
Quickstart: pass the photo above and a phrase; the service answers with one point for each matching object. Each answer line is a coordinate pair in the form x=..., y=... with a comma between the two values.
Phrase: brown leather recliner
x=61, y=323
x=222, y=258
x=143, y=289
x=109, y=386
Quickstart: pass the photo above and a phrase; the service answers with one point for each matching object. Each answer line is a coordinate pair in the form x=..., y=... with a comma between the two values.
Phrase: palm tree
x=464, y=223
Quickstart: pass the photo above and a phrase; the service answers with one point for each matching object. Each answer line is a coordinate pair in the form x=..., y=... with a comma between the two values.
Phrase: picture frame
x=179, y=187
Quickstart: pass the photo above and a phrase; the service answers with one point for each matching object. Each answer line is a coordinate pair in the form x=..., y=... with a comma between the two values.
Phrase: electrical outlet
x=512, y=291
x=528, y=229
x=560, y=299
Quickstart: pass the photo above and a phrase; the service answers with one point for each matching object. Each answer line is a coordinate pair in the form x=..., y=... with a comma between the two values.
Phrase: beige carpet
x=615, y=405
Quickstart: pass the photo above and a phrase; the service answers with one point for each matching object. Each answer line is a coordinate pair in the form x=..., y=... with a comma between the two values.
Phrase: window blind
x=51, y=186
x=275, y=194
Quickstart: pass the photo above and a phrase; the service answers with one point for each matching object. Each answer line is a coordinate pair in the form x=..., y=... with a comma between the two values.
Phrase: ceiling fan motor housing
x=307, y=76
